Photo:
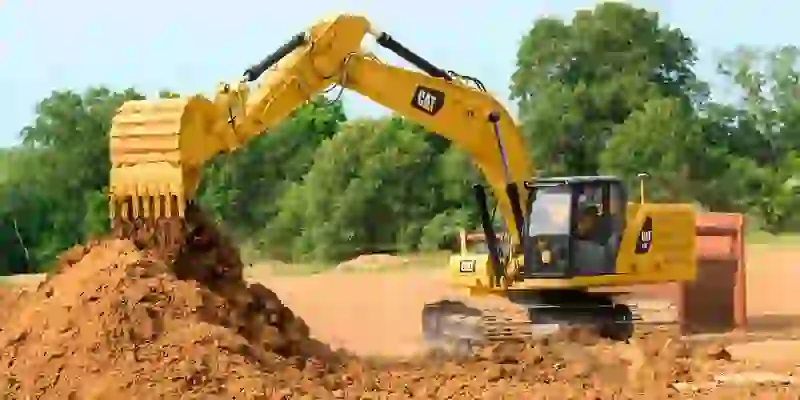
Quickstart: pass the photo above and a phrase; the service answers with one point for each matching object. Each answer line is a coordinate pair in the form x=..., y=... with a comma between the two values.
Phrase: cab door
x=548, y=232
x=596, y=244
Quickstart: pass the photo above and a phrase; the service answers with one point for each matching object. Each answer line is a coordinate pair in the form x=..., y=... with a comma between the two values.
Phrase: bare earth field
x=379, y=312
x=119, y=314
x=772, y=275
x=368, y=313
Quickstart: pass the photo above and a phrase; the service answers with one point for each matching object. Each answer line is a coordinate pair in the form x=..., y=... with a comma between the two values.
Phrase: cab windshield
x=550, y=212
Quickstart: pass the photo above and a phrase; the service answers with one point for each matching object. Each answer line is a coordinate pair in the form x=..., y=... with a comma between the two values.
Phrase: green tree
x=662, y=139
x=62, y=161
x=765, y=142
x=370, y=189
x=576, y=82
x=242, y=188
x=453, y=177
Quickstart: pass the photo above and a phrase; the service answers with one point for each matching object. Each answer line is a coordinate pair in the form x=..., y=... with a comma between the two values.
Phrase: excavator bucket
x=157, y=149
x=147, y=175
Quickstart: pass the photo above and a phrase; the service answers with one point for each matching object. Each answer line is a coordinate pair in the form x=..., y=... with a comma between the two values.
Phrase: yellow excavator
x=566, y=236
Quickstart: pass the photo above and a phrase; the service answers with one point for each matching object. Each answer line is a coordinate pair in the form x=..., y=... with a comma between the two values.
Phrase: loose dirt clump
x=141, y=319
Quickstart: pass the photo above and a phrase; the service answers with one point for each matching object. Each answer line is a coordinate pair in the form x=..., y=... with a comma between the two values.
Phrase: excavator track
x=502, y=324
x=460, y=325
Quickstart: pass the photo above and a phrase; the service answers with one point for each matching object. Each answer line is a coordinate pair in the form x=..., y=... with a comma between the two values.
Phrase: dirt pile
x=117, y=320
x=122, y=320
x=373, y=262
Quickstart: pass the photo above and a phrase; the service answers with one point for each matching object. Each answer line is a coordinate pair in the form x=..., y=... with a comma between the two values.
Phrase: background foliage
x=611, y=91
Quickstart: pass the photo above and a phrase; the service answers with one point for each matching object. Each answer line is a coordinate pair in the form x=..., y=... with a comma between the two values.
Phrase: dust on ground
x=117, y=320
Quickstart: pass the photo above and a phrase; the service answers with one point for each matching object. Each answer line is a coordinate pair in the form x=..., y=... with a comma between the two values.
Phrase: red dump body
x=716, y=300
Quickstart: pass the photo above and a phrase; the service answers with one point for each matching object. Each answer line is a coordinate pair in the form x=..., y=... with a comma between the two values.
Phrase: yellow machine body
x=671, y=259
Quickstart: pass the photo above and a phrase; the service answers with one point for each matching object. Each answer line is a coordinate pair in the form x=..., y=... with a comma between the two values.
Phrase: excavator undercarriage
x=463, y=323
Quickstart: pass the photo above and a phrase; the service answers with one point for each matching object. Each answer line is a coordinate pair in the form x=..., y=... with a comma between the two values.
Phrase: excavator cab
x=573, y=227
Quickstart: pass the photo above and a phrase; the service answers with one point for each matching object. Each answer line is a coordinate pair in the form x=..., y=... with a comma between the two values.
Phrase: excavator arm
x=158, y=148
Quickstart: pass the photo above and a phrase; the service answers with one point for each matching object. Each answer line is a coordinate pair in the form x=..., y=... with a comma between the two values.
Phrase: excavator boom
x=158, y=148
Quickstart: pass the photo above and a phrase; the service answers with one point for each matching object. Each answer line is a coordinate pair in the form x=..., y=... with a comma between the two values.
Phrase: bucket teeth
x=146, y=206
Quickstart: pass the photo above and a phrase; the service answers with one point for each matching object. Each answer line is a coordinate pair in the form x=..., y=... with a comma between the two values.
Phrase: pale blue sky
x=189, y=46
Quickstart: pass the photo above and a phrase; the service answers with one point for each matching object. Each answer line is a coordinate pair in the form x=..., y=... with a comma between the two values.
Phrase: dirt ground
x=368, y=313
x=379, y=312
x=129, y=319
x=772, y=275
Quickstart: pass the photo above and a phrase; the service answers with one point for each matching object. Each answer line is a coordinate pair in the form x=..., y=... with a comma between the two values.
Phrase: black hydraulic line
x=255, y=71
x=512, y=191
x=494, y=119
x=488, y=231
x=387, y=42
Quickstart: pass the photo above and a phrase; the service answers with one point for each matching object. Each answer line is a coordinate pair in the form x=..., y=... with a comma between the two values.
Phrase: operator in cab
x=590, y=256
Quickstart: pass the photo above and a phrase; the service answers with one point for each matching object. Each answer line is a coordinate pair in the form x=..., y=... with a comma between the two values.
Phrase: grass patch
x=765, y=238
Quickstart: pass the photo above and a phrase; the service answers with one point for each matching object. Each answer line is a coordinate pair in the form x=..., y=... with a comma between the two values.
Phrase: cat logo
x=466, y=266
x=427, y=100
x=645, y=240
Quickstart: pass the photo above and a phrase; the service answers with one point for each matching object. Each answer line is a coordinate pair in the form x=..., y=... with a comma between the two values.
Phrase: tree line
x=611, y=91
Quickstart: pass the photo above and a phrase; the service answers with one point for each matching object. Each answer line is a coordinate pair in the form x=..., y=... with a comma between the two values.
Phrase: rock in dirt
x=121, y=320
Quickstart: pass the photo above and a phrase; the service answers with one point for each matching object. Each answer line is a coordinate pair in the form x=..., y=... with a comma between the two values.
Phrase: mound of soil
x=372, y=262
x=126, y=319
x=117, y=320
